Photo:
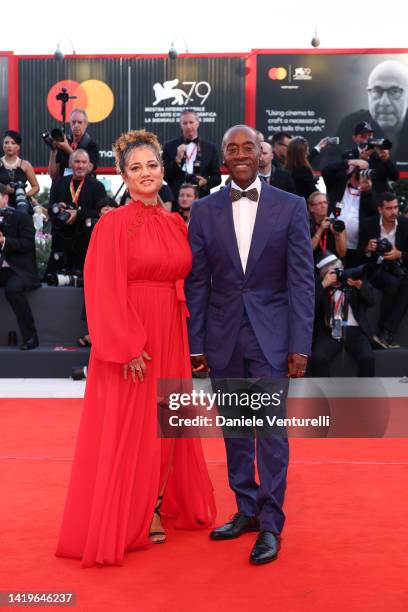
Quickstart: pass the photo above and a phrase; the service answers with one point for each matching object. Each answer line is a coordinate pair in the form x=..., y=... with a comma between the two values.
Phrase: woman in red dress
x=135, y=268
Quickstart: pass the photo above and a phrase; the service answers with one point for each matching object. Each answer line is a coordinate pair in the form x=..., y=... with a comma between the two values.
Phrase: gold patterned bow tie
x=251, y=194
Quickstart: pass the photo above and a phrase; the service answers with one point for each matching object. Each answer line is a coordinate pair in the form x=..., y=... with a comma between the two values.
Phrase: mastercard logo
x=96, y=97
x=277, y=74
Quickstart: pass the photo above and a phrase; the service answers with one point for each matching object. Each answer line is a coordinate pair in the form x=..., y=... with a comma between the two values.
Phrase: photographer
x=384, y=240
x=341, y=322
x=187, y=195
x=327, y=233
x=189, y=159
x=15, y=171
x=377, y=152
x=18, y=270
x=350, y=196
x=64, y=146
x=73, y=213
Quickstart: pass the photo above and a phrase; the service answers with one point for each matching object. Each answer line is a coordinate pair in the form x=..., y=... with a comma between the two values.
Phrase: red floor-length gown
x=134, y=274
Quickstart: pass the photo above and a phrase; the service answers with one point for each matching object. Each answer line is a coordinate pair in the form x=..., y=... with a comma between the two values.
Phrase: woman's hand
x=136, y=367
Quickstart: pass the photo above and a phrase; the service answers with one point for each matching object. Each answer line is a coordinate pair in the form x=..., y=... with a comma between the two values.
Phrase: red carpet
x=344, y=546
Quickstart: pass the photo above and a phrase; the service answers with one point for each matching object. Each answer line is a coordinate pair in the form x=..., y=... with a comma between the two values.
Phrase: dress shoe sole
x=377, y=343
x=233, y=537
x=263, y=561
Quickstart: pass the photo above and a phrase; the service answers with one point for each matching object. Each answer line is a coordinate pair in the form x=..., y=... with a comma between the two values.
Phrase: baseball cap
x=362, y=127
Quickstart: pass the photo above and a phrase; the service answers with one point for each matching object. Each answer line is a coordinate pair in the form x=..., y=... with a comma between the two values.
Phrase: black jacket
x=91, y=192
x=305, y=181
x=335, y=178
x=370, y=228
x=281, y=179
x=85, y=143
x=359, y=300
x=19, y=249
x=383, y=171
x=209, y=166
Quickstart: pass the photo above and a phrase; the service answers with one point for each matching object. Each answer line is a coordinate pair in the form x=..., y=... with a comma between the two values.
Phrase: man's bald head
x=388, y=94
x=252, y=133
x=265, y=160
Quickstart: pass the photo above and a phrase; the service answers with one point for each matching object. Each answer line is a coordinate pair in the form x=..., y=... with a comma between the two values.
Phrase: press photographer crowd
x=358, y=228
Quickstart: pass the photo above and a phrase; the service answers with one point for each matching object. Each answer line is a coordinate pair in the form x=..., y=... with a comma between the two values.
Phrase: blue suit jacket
x=277, y=289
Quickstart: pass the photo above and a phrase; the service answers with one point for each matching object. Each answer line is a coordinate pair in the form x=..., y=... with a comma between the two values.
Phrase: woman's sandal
x=158, y=533
x=84, y=341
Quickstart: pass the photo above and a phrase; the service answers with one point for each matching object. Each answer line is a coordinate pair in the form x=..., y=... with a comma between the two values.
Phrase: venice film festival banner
x=129, y=93
x=328, y=94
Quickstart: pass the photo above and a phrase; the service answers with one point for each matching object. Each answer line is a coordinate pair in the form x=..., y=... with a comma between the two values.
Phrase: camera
x=60, y=212
x=64, y=279
x=383, y=246
x=63, y=95
x=192, y=178
x=5, y=213
x=337, y=224
x=380, y=143
x=22, y=203
x=354, y=273
x=333, y=140
x=56, y=135
x=367, y=173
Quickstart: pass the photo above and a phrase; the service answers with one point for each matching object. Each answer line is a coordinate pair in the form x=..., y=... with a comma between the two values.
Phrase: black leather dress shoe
x=238, y=525
x=266, y=548
x=30, y=344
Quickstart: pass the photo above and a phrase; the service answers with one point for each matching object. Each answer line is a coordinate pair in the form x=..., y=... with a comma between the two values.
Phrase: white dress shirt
x=191, y=155
x=389, y=235
x=244, y=215
x=350, y=215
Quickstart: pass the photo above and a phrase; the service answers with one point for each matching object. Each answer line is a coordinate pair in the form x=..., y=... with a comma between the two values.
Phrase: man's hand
x=199, y=363
x=72, y=216
x=325, y=224
x=330, y=279
x=372, y=245
x=383, y=154
x=296, y=365
x=2, y=239
x=202, y=182
x=136, y=367
x=181, y=151
x=357, y=283
x=393, y=255
x=323, y=142
x=64, y=146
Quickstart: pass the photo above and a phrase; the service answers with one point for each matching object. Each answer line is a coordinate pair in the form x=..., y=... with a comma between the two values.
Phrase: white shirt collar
x=383, y=228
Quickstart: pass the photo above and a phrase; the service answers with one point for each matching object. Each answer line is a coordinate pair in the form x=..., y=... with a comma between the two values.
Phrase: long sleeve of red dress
x=115, y=336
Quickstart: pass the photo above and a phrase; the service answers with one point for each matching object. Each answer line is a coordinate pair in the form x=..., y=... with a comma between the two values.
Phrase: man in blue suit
x=251, y=299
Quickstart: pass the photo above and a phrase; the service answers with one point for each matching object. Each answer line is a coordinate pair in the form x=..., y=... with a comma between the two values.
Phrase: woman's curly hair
x=134, y=139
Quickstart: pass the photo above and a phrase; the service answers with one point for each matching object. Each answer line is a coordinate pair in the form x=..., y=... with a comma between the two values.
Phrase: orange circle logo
x=94, y=96
x=277, y=74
